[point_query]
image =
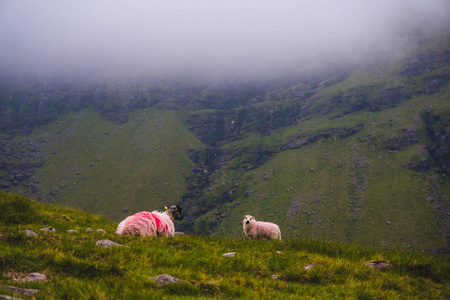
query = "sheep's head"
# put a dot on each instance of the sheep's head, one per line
(176, 211)
(248, 219)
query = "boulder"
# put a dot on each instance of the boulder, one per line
(164, 279)
(106, 244)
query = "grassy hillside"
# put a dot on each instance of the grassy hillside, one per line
(343, 188)
(345, 153)
(76, 269)
(97, 165)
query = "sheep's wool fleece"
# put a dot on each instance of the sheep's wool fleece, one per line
(263, 230)
(147, 223)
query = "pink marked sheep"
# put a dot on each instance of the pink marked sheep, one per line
(146, 223)
(260, 230)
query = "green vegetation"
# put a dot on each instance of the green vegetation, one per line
(349, 153)
(77, 269)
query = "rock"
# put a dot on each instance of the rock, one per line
(295, 144)
(72, 231)
(179, 233)
(30, 233)
(48, 229)
(9, 297)
(376, 264)
(164, 279)
(230, 254)
(101, 231)
(26, 292)
(106, 244)
(89, 230)
(308, 267)
(36, 277)
(6, 184)
(279, 252)
(388, 223)
(274, 276)
(422, 165)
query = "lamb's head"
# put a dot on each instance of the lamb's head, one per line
(249, 220)
(175, 211)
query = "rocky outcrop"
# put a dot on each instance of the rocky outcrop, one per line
(438, 129)
(424, 63)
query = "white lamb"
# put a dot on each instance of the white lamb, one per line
(260, 230)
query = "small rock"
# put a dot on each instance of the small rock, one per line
(308, 267)
(72, 231)
(26, 292)
(48, 229)
(165, 279)
(89, 229)
(274, 276)
(9, 297)
(6, 184)
(30, 233)
(101, 231)
(279, 252)
(106, 243)
(230, 254)
(36, 277)
(376, 264)
(388, 223)
(179, 233)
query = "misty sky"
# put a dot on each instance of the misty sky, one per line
(203, 36)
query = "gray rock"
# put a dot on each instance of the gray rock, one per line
(230, 254)
(26, 292)
(72, 231)
(30, 233)
(164, 279)
(36, 277)
(6, 184)
(101, 231)
(48, 229)
(89, 229)
(378, 264)
(9, 297)
(106, 243)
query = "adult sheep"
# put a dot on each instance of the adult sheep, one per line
(260, 230)
(146, 223)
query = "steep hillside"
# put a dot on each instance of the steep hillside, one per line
(356, 152)
(91, 163)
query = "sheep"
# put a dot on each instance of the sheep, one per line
(260, 230)
(156, 223)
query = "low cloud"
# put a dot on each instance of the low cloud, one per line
(199, 37)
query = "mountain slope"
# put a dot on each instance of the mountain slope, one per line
(351, 153)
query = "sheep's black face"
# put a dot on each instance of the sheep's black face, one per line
(177, 212)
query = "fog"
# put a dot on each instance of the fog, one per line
(205, 38)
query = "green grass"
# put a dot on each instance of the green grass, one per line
(94, 164)
(76, 269)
